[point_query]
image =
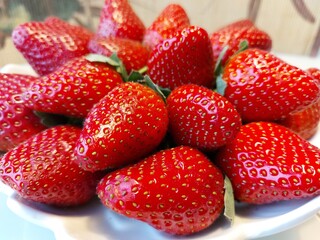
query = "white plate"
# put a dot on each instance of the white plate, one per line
(94, 221)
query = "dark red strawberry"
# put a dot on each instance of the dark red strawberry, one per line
(233, 34)
(127, 124)
(132, 53)
(42, 169)
(178, 191)
(201, 118)
(118, 19)
(17, 123)
(72, 89)
(171, 20)
(185, 58)
(49, 44)
(264, 87)
(267, 162)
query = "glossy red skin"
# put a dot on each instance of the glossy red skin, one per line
(265, 88)
(233, 34)
(178, 191)
(201, 118)
(268, 163)
(73, 89)
(171, 20)
(131, 52)
(49, 44)
(17, 123)
(126, 125)
(185, 58)
(43, 169)
(118, 19)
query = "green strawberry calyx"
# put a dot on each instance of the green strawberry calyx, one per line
(229, 205)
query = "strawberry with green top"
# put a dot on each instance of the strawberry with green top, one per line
(49, 44)
(73, 89)
(171, 20)
(126, 125)
(263, 87)
(185, 58)
(43, 169)
(17, 122)
(201, 118)
(118, 19)
(178, 191)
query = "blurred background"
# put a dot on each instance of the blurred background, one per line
(294, 25)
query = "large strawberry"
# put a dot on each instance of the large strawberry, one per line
(200, 117)
(17, 123)
(43, 169)
(49, 44)
(265, 88)
(128, 123)
(267, 162)
(118, 19)
(232, 35)
(177, 190)
(171, 20)
(73, 88)
(185, 58)
(131, 52)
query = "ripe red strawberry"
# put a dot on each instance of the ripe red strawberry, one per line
(264, 87)
(233, 34)
(201, 118)
(17, 123)
(127, 124)
(267, 163)
(185, 58)
(49, 44)
(178, 191)
(73, 88)
(132, 53)
(118, 19)
(43, 169)
(171, 20)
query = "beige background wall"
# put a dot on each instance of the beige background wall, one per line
(293, 24)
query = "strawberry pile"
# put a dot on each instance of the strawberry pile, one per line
(154, 120)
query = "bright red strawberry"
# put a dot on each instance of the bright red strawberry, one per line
(118, 19)
(267, 163)
(132, 53)
(264, 87)
(49, 44)
(305, 122)
(73, 88)
(43, 169)
(178, 191)
(17, 123)
(171, 20)
(127, 124)
(201, 118)
(233, 34)
(185, 58)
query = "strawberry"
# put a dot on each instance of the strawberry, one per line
(49, 44)
(201, 118)
(118, 19)
(42, 169)
(73, 88)
(131, 52)
(267, 162)
(171, 20)
(127, 124)
(233, 34)
(185, 58)
(265, 88)
(178, 191)
(17, 123)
